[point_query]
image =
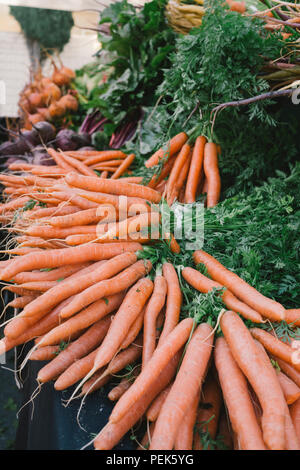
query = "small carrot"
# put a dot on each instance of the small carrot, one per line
(124, 385)
(208, 414)
(265, 306)
(173, 303)
(45, 353)
(275, 346)
(123, 167)
(173, 146)
(289, 370)
(176, 171)
(184, 437)
(153, 309)
(290, 389)
(81, 167)
(212, 175)
(195, 170)
(205, 285)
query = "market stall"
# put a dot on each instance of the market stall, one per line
(152, 203)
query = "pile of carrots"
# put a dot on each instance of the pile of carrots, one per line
(47, 98)
(185, 171)
(93, 305)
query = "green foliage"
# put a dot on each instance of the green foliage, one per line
(51, 28)
(137, 48)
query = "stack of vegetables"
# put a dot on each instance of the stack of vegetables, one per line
(200, 340)
(48, 98)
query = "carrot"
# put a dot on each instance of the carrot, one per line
(290, 389)
(178, 191)
(104, 156)
(86, 343)
(173, 146)
(95, 383)
(43, 326)
(291, 440)
(187, 385)
(124, 385)
(54, 172)
(289, 370)
(248, 294)
(45, 231)
(129, 310)
(237, 398)
(75, 371)
(160, 358)
(195, 170)
(77, 165)
(45, 353)
(104, 174)
(160, 178)
(174, 301)
(51, 275)
(20, 302)
(153, 309)
(14, 204)
(60, 160)
(113, 187)
(111, 434)
(39, 286)
(184, 437)
(208, 415)
(212, 175)
(295, 415)
(123, 167)
(155, 407)
(84, 279)
(121, 360)
(82, 239)
(65, 256)
(205, 285)
(84, 217)
(293, 316)
(134, 330)
(64, 209)
(84, 319)
(103, 287)
(262, 379)
(275, 346)
(176, 171)
(70, 197)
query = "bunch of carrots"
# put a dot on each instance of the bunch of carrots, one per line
(183, 171)
(93, 305)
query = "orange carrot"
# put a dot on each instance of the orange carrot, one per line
(262, 379)
(45, 353)
(205, 285)
(187, 385)
(290, 389)
(174, 301)
(184, 437)
(84, 319)
(173, 146)
(295, 415)
(155, 407)
(176, 171)
(65, 256)
(86, 343)
(293, 316)
(289, 370)
(51, 275)
(124, 385)
(160, 358)
(264, 305)
(212, 175)
(75, 371)
(156, 180)
(104, 156)
(123, 167)
(275, 346)
(113, 187)
(77, 165)
(111, 434)
(195, 170)
(237, 398)
(153, 309)
(208, 414)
